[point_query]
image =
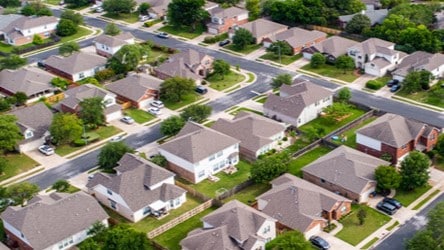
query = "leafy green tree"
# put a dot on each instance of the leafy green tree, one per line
(196, 113)
(242, 38)
(89, 244)
(289, 240)
(4, 105)
(66, 28)
(143, 8)
(10, 135)
(391, 28)
(124, 237)
(76, 18)
(20, 98)
(37, 40)
(414, 171)
(387, 178)
(10, 3)
(92, 111)
(254, 9)
(317, 60)
(432, 237)
(281, 48)
(440, 145)
(175, 88)
(96, 229)
(44, 12)
(172, 125)
(186, 13)
(362, 215)
(221, 68)
(422, 240)
(77, 3)
(127, 58)
(68, 48)
(159, 160)
(345, 63)
(391, 3)
(22, 192)
(280, 80)
(314, 133)
(112, 29)
(35, 8)
(336, 112)
(416, 81)
(299, 12)
(357, 24)
(420, 38)
(60, 83)
(65, 128)
(111, 153)
(117, 7)
(268, 168)
(61, 186)
(344, 95)
(12, 62)
(417, 13)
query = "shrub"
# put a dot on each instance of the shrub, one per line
(60, 83)
(104, 75)
(215, 39)
(373, 84)
(285, 139)
(148, 24)
(37, 40)
(80, 142)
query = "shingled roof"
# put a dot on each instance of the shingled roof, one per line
(335, 46)
(75, 63)
(262, 27)
(114, 41)
(75, 95)
(134, 86)
(419, 60)
(206, 239)
(37, 118)
(297, 37)
(28, 80)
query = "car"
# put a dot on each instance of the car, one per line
(163, 35)
(386, 208)
(201, 90)
(224, 42)
(46, 150)
(157, 104)
(319, 242)
(116, 138)
(154, 111)
(144, 18)
(99, 10)
(127, 120)
(392, 82)
(395, 88)
(392, 201)
(41, 64)
(90, 177)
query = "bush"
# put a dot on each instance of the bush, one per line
(80, 142)
(215, 39)
(373, 84)
(104, 75)
(37, 40)
(60, 83)
(285, 139)
(148, 24)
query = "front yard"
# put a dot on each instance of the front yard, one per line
(434, 96)
(81, 32)
(283, 60)
(407, 197)
(186, 100)
(17, 164)
(331, 71)
(129, 18)
(139, 116)
(247, 50)
(238, 109)
(183, 31)
(231, 79)
(295, 166)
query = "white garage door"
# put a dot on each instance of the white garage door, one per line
(315, 230)
(307, 55)
(145, 103)
(212, 31)
(113, 116)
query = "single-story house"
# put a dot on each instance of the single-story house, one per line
(107, 45)
(223, 19)
(297, 38)
(375, 16)
(22, 30)
(260, 29)
(331, 48)
(420, 60)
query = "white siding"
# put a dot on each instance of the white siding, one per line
(367, 141)
(242, 17)
(315, 230)
(87, 73)
(267, 234)
(14, 231)
(312, 111)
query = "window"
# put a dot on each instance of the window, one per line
(212, 157)
(201, 174)
(177, 201)
(109, 192)
(171, 203)
(322, 180)
(266, 229)
(317, 103)
(219, 154)
(28, 134)
(215, 167)
(113, 204)
(146, 210)
(299, 120)
(343, 209)
(326, 99)
(81, 75)
(404, 146)
(359, 57)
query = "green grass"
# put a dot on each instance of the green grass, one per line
(354, 233)
(129, 18)
(17, 164)
(171, 238)
(6, 48)
(439, 163)
(227, 181)
(285, 59)
(251, 77)
(249, 194)
(231, 79)
(183, 31)
(382, 81)
(70, 190)
(407, 197)
(53, 2)
(262, 100)
(390, 228)
(429, 197)
(235, 112)
(295, 166)
(81, 32)
(432, 96)
(139, 116)
(297, 145)
(351, 134)
(186, 100)
(247, 50)
(370, 243)
(156, 54)
(333, 72)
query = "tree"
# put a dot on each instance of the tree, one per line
(357, 24)
(314, 133)
(280, 80)
(22, 192)
(127, 58)
(440, 145)
(28, 10)
(345, 63)
(92, 111)
(422, 240)
(221, 68)
(37, 40)
(97, 228)
(387, 178)
(124, 237)
(317, 60)
(186, 13)
(344, 95)
(362, 215)
(89, 244)
(66, 28)
(10, 134)
(4, 105)
(416, 81)
(196, 113)
(432, 237)
(414, 171)
(12, 62)
(68, 48)
(77, 3)
(143, 8)
(10, 3)
(76, 18)
(20, 98)
(336, 112)
(268, 168)
(112, 29)
(281, 48)
(118, 7)
(254, 9)
(60, 186)
(111, 153)
(159, 160)
(391, 3)
(289, 240)
(65, 128)
(242, 38)
(60, 83)
(175, 88)
(172, 125)
(35, 8)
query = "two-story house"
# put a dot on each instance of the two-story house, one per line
(107, 45)
(420, 60)
(298, 103)
(138, 189)
(260, 29)
(232, 226)
(56, 221)
(224, 19)
(22, 30)
(197, 152)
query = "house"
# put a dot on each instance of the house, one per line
(224, 19)
(188, 63)
(260, 29)
(297, 204)
(331, 48)
(138, 189)
(158, 8)
(298, 103)
(345, 171)
(372, 4)
(375, 56)
(55, 221)
(34, 82)
(396, 136)
(34, 122)
(75, 67)
(22, 30)
(420, 60)
(73, 97)
(139, 89)
(107, 45)
(198, 152)
(375, 16)
(257, 134)
(297, 38)
(232, 226)
(5, 20)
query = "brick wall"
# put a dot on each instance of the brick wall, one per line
(15, 242)
(181, 172)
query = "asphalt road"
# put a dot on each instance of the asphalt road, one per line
(397, 240)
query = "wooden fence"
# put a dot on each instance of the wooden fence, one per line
(325, 29)
(55, 98)
(193, 192)
(235, 189)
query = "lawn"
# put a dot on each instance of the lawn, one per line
(171, 238)
(295, 166)
(433, 96)
(6, 48)
(331, 71)
(186, 100)
(81, 32)
(300, 143)
(407, 197)
(285, 59)
(350, 135)
(227, 181)
(247, 50)
(251, 77)
(140, 116)
(129, 18)
(218, 83)
(183, 31)
(70, 190)
(156, 55)
(17, 164)
(249, 194)
(439, 163)
(354, 233)
(236, 111)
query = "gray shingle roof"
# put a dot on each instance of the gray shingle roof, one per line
(49, 219)
(75, 95)
(76, 63)
(375, 16)
(23, 23)
(419, 60)
(372, 45)
(114, 41)
(335, 46)
(262, 27)
(37, 117)
(27, 80)
(5, 20)
(297, 37)
(230, 12)
(209, 239)
(134, 86)
(346, 167)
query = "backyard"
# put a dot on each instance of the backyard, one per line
(183, 31)
(17, 164)
(350, 135)
(295, 166)
(248, 195)
(407, 197)
(333, 72)
(139, 116)
(186, 100)
(434, 96)
(284, 59)
(156, 55)
(231, 79)
(247, 50)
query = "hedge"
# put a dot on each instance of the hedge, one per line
(373, 84)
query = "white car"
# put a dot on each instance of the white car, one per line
(116, 138)
(99, 10)
(144, 18)
(46, 150)
(154, 111)
(157, 104)
(127, 120)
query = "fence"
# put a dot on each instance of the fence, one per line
(325, 29)
(235, 189)
(193, 192)
(55, 98)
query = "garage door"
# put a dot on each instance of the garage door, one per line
(315, 230)
(113, 116)
(364, 196)
(145, 103)
(307, 55)
(212, 31)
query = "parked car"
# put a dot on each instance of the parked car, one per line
(154, 111)
(395, 88)
(201, 90)
(127, 120)
(144, 18)
(163, 35)
(393, 202)
(116, 138)
(41, 64)
(392, 82)
(46, 150)
(99, 10)
(157, 104)
(386, 208)
(224, 42)
(319, 242)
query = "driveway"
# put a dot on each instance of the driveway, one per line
(48, 161)
(336, 243)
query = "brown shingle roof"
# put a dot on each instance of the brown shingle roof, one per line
(262, 27)
(26, 22)
(297, 37)
(76, 63)
(75, 95)
(372, 45)
(419, 60)
(335, 46)
(114, 41)
(230, 12)
(209, 239)
(27, 80)
(37, 117)
(134, 86)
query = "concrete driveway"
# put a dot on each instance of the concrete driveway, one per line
(48, 161)
(336, 243)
